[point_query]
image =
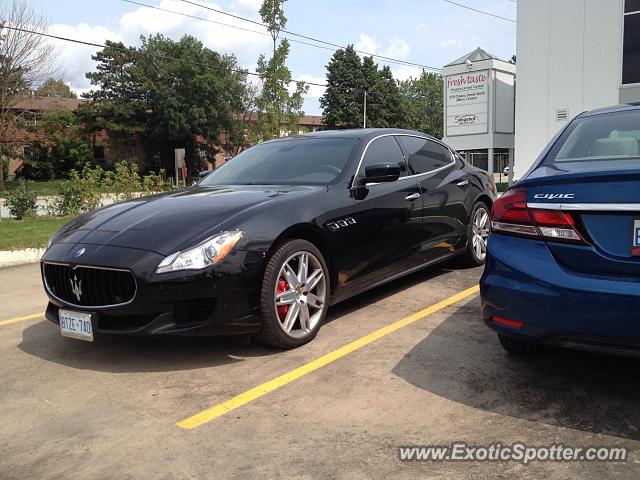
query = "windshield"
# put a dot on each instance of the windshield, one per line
(306, 161)
(612, 136)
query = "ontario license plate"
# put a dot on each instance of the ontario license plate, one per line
(76, 325)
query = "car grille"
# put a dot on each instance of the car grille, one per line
(89, 286)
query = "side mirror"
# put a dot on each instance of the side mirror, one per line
(204, 173)
(382, 173)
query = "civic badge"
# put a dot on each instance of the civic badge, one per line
(79, 253)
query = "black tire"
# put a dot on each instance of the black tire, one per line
(470, 258)
(271, 332)
(518, 347)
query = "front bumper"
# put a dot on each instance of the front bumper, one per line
(222, 300)
(523, 282)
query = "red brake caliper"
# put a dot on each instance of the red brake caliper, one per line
(282, 309)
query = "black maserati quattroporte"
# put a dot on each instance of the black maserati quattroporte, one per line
(266, 243)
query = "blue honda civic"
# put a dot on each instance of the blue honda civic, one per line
(563, 256)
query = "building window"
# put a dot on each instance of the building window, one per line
(631, 43)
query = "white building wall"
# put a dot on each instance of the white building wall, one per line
(569, 57)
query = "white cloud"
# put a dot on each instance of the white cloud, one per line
(396, 47)
(367, 44)
(448, 43)
(314, 90)
(459, 44)
(405, 72)
(220, 36)
(249, 8)
(74, 60)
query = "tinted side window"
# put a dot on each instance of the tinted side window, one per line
(424, 155)
(383, 150)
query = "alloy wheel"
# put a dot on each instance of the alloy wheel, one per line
(300, 294)
(480, 228)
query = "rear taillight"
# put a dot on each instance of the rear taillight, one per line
(510, 214)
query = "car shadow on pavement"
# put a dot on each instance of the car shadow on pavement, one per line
(462, 360)
(376, 294)
(118, 354)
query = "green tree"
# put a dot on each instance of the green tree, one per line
(422, 104)
(384, 104)
(278, 109)
(118, 99)
(169, 94)
(272, 14)
(342, 102)
(70, 148)
(348, 78)
(53, 87)
(67, 147)
(24, 60)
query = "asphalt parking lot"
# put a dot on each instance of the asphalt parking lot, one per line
(110, 409)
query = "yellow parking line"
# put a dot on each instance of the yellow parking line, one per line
(257, 392)
(21, 319)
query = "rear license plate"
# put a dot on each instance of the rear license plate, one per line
(76, 325)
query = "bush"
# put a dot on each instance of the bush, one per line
(156, 182)
(126, 180)
(69, 200)
(21, 202)
(81, 193)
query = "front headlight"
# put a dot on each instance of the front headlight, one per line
(208, 253)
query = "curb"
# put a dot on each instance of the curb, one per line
(11, 258)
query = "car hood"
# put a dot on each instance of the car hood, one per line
(170, 222)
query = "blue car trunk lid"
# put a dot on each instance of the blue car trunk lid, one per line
(605, 203)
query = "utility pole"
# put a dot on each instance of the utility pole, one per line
(366, 93)
(364, 116)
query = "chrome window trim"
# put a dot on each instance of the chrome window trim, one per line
(364, 152)
(594, 207)
(85, 307)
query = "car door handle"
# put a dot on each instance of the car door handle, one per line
(463, 183)
(412, 196)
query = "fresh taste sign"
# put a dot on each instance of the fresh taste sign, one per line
(467, 103)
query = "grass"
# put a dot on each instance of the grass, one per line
(40, 188)
(29, 233)
(502, 186)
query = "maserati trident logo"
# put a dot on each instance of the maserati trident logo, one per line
(79, 253)
(76, 287)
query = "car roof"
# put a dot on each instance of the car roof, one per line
(362, 133)
(612, 109)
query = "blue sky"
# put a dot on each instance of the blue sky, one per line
(427, 32)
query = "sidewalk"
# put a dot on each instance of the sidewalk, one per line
(20, 257)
